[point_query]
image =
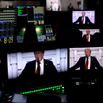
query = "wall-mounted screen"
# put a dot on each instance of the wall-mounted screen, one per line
(64, 5)
(7, 25)
(17, 61)
(83, 17)
(78, 58)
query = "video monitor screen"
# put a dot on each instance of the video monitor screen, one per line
(39, 13)
(7, 25)
(83, 17)
(92, 31)
(34, 14)
(25, 11)
(76, 54)
(40, 31)
(6, 4)
(90, 36)
(45, 33)
(15, 3)
(32, 26)
(49, 32)
(16, 61)
(63, 5)
(30, 33)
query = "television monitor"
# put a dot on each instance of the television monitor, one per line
(7, 25)
(63, 5)
(34, 14)
(30, 33)
(40, 31)
(76, 53)
(39, 13)
(49, 32)
(91, 37)
(25, 11)
(6, 4)
(92, 31)
(88, 19)
(15, 3)
(32, 19)
(21, 23)
(45, 33)
(16, 61)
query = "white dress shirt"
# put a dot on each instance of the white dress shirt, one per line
(41, 67)
(88, 38)
(84, 19)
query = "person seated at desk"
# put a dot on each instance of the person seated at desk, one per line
(87, 62)
(83, 19)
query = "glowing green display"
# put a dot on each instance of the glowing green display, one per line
(39, 30)
(21, 11)
(58, 88)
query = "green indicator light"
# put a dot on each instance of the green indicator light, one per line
(40, 89)
(32, 91)
(53, 89)
(37, 91)
(47, 88)
(62, 91)
(26, 92)
(44, 89)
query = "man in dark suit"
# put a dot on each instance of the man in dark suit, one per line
(87, 62)
(83, 19)
(88, 38)
(38, 70)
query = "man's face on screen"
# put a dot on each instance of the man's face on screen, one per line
(87, 52)
(38, 55)
(83, 13)
(87, 31)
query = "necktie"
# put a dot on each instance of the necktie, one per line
(86, 64)
(38, 68)
(87, 38)
(82, 20)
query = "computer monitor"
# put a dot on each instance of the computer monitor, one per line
(53, 5)
(15, 3)
(83, 17)
(16, 61)
(7, 25)
(91, 37)
(63, 5)
(32, 18)
(76, 53)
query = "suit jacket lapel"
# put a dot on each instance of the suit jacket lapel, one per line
(84, 61)
(45, 64)
(91, 63)
(45, 67)
(34, 67)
